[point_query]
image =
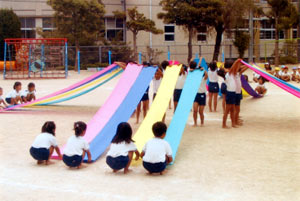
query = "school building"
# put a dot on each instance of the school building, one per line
(36, 13)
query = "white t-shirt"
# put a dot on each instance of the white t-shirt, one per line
(202, 89)
(281, 73)
(256, 75)
(261, 85)
(230, 82)
(180, 81)
(156, 150)
(75, 146)
(238, 84)
(26, 92)
(44, 140)
(1, 98)
(156, 84)
(13, 94)
(120, 149)
(212, 76)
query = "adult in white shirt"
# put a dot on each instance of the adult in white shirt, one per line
(44, 144)
(213, 86)
(157, 152)
(14, 96)
(77, 147)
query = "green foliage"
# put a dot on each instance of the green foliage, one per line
(10, 27)
(241, 42)
(120, 50)
(80, 21)
(288, 52)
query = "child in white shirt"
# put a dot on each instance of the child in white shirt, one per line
(284, 74)
(2, 101)
(157, 152)
(14, 96)
(296, 74)
(261, 88)
(121, 149)
(29, 94)
(179, 86)
(77, 147)
(213, 86)
(44, 144)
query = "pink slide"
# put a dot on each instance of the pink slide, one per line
(65, 89)
(113, 102)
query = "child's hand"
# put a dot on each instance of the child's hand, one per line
(137, 157)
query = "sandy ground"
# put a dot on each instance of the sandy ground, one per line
(257, 162)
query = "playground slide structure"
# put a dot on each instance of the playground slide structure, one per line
(158, 107)
(113, 102)
(185, 104)
(122, 114)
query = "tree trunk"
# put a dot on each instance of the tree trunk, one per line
(219, 29)
(276, 43)
(190, 47)
(134, 47)
(77, 48)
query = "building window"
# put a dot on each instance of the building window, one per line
(201, 33)
(114, 29)
(267, 30)
(169, 32)
(48, 24)
(28, 27)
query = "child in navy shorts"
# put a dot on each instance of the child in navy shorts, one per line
(213, 86)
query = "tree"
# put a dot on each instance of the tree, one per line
(283, 15)
(80, 21)
(241, 42)
(10, 27)
(137, 22)
(190, 14)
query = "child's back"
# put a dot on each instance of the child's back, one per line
(156, 150)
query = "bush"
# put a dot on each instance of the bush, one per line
(288, 60)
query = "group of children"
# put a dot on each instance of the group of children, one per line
(156, 153)
(283, 73)
(17, 96)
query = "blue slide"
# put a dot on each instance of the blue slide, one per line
(185, 104)
(123, 113)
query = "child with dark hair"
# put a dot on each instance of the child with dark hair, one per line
(14, 96)
(29, 94)
(164, 65)
(261, 88)
(157, 152)
(179, 86)
(44, 144)
(213, 86)
(2, 101)
(77, 147)
(121, 150)
(222, 72)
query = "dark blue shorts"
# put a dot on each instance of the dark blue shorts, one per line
(176, 95)
(200, 99)
(230, 98)
(223, 88)
(154, 95)
(40, 154)
(8, 100)
(117, 163)
(145, 97)
(155, 167)
(72, 161)
(238, 99)
(213, 87)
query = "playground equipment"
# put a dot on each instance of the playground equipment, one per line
(26, 58)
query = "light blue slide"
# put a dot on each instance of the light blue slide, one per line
(185, 104)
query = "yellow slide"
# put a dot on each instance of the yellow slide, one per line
(158, 107)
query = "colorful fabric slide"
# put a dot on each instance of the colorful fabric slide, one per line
(123, 113)
(76, 85)
(113, 102)
(158, 107)
(185, 104)
(246, 86)
(274, 80)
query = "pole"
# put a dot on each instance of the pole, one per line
(197, 56)
(169, 54)
(109, 57)
(29, 61)
(42, 60)
(150, 17)
(251, 35)
(140, 58)
(78, 61)
(66, 59)
(4, 67)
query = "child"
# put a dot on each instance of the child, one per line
(284, 74)
(157, 80)
(277, 72)
(29, 94)
(261, 88)
(268, 68)
(14, 96)
(222, 72)
(295, 75)
(213, 86)
(255, 77)
(2, 101)
(77, 147)
(179, 86)
(164, 65)
(44, 144)
(157, 152)
(200, 99)
(121, 149)
(230, 80)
